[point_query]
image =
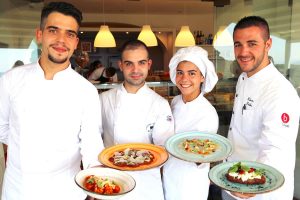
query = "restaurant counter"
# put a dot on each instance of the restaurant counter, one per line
(166, 89)
(221, 97)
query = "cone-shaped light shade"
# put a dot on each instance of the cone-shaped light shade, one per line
(185, 38)
(104, 38)
(223, 37)
(147, 36)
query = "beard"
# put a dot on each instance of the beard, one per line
(251, 68)
(133, 82)
(258, 61)
(53, 57)
(57, 61)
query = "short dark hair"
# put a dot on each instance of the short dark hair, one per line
(132, 45)
(61, 7)
(249, 21)
(110, 71)
(96, 63)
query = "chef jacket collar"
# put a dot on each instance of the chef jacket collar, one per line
(58, 75)
(195, 101)
(260, 75)
(140, 91)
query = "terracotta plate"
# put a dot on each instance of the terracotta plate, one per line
(160, 156)
(274, 179)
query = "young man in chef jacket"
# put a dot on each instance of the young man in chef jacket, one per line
(133, 112)
(50, 116)
(265, 118)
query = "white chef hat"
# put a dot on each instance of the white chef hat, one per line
(199, 57)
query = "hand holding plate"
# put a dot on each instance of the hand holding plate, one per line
(242, 195)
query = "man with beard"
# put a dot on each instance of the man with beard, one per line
(50, 116)
(265, 117)
(133, 112)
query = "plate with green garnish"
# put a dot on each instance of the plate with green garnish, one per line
(246, 177)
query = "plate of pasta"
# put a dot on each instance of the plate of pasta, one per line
(199, 147)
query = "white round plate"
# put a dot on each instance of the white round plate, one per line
(124, 180)
(175, 148)
(274, 179)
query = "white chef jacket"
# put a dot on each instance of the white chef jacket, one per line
(142, 117)
(2, 166)
(186, 180)
(264, 125)
(49, 126)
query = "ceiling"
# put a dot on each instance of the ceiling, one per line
(141, 6)
(19, 16)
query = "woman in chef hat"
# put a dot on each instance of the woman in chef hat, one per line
(194, 75)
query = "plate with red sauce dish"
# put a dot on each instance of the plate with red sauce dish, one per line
(123, 181)
(158, 156)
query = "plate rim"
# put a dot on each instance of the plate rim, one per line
(165, 155)
(230, 163)
(185, 134)
(110, 196)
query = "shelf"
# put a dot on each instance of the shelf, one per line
(150, 84)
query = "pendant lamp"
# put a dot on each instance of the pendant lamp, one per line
(223, 37)
(104, 37)
(185, 38)
(147, 36)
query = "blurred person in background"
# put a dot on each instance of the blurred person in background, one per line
(102, 74)
(18, 63)
(82, 60)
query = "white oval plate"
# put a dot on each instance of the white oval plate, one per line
(124, 180)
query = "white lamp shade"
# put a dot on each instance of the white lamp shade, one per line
(223, 37)
(185, 38)
(147, 36)
(104, 38)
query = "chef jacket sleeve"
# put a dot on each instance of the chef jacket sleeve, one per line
(280, 118)
(164, 125)
(4, 110)
(91, 130)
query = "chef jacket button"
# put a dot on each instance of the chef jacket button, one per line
(230, 128)
(236, 95)
(243, 78)
(232, 112)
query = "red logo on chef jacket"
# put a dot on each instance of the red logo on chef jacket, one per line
(285, 118)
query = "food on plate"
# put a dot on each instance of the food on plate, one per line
(101, 185)
(131, 157)
(199, 146)
(241, 173)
